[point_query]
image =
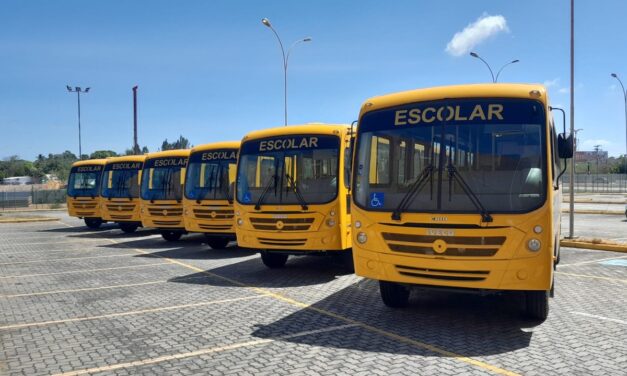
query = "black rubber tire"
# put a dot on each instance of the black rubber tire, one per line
(537, 305)
(128, 228)
(273, 260)
(171, 236)
(93, 223)
(217, 242)
(394, 295)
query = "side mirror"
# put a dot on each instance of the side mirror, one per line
(565, 146)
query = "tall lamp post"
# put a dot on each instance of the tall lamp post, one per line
(286, 58)
(625, 98)
(78, 92)
(494, 78)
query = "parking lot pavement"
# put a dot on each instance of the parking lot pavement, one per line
(78, 301)
(602, 226)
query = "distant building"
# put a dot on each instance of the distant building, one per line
(591, 156)
(18, 180)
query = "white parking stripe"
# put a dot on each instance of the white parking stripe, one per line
(600, 317)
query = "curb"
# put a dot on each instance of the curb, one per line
(594, 244)
(25, 220)
(584, 211)
(31, 210)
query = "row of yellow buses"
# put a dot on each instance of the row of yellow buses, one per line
(453, 188)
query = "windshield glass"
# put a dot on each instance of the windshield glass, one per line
(162, 178)
(120, 180)
(495, 146)
(310, 162)
(211, 175)
(84, 181)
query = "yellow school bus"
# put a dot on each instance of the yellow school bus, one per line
(161, 192)
(458, 188)
(292, 192)
(83, 191)
(120, 191)
(209, 186)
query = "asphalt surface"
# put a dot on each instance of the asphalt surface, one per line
(77, 301)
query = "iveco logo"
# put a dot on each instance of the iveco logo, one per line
(440, 232)
(279, 225)
(439, 219)
(164, 212)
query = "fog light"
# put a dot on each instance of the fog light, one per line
(357, 224)
(534, 245)
(330, 222)
(362, 238)
(240, 221)
(537, 229)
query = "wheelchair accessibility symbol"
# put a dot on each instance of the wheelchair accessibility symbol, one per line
(377, 199)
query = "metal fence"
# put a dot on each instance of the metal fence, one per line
(597, 183)
(21, 197)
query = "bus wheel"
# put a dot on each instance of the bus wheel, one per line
(273, 260)
(537, 305)
(93, 223)
(128, 228)
(394, 295)
(217, 242)
(171, 236)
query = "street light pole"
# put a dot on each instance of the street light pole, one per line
(494, 78)
(571, 183)
(78, 92)
(625, 99)
(286, 58)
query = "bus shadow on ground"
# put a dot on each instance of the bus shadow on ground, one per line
(299, 271)
(458, 324)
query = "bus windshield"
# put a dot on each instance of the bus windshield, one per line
(445, 152)
(291, 169)
(211, 175)
(120, 180)
(161, 178)
(84, 181)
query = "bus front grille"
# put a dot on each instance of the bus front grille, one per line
(215, 227)
(117, 217)
(282, 242)
(456, 246)
(218, 214)
(443, 274)
(121, 207)
(165, 211)
(84, 205)
(167, 223)
(281, 224)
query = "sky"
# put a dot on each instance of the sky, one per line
(211, 71)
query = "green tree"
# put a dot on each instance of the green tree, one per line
(103, 154)
(181, 143)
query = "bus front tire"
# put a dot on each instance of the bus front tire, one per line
(394, 295)
(537, 305)
(171, 236)
(273, 260)
(217, 242)
(128, 228)
(93, 223)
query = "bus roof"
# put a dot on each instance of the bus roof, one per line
(126, 158)
(168, 153)
(310, 128)
(90, 162)
(456, 91)
(216, 145)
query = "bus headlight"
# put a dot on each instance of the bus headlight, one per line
(240, 221)
(362, 238)
(332, 213)
(357, 224)
(330, 222)
(534, 245)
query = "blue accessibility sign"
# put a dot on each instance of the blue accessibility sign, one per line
(377, 199)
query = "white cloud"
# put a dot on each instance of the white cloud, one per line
(551, 83)
(564, 90)
(475, 33)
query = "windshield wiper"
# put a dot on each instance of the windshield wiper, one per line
(454, 174)
(265, 192)
(296, 190)
(414, 189)
(224, 185)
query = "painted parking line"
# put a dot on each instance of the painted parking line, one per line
(13, 244)
(370, 328)
(614, 262)
(128, 313)
(600, 317)
(62, 259)
(593, 277)
(590, 261)
(205, 351)
(86, 270)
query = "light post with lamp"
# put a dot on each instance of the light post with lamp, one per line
(494, 78)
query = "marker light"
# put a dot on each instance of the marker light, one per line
(332, 213)
(357, 224)
(537, 229)
(240, 221)
(362, 237)
(534, 245)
